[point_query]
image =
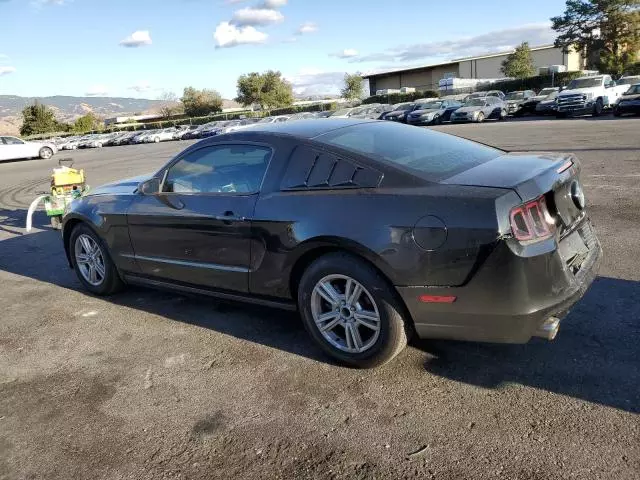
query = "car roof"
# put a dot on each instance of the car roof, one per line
(306, 128)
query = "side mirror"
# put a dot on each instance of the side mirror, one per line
(149, 187)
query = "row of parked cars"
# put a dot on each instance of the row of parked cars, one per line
(586, 95)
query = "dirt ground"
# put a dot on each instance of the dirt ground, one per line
(150, 385)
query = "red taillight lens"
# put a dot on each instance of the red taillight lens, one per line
(532, 221)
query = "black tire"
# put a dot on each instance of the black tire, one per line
(598, 108)
(112, 282)
(45, 153)
(394, 330)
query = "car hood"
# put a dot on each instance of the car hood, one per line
(422, 112)
(513, 102)
(469, 109)
(122, 187)
(577, 91)
(522, 172)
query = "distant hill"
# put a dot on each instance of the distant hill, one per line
(67, 109)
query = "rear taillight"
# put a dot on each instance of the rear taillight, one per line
(532, 221)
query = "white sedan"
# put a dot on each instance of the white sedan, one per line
(12, 148)
(161, 136)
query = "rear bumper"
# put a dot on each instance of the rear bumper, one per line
(509, 298)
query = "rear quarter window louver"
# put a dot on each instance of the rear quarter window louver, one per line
(311, 169)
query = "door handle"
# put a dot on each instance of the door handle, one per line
(229, 217)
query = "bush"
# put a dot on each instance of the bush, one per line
(394, 98)
(537, 82)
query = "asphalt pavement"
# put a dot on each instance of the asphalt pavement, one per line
(150, 385)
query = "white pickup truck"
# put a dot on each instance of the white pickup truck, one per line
(588, 95)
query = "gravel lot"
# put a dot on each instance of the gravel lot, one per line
(149, 385)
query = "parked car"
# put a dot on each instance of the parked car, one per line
(276, 119)
(303, 116)
(371, 111)
(629, 102)
(13, 148)
(548, 105)
(342, 113)
(433, 112)
(480, 109)
(628, 80)
(474, 244)
(399, 112)
(164, 135)
(588, 95)
(69, 143)
(93, 141)
(488, 93)
(516, 100)
(183, 131)
(529, 105)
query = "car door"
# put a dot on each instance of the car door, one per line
(14, 148)
(196, 230)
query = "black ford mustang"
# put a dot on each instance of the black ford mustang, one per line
(372, 230)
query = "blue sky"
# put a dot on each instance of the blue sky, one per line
(141, 48)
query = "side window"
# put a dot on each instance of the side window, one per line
(2, 141)
(219, 169)
(12, 141)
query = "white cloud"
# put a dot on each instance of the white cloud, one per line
(491, 42)
(346, 53)
(256, 16)
(307, 27)
(142, 86)
(2, 55)
(313, 81)
(97, 91)
(6, 70)
(274, 3)
(41, 3)
(137, 39)
(227, 35)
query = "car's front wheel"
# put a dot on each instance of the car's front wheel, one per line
(480, 117)
(351, 311)
(45, 153)
(92, 262)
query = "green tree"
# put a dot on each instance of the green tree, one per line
(37, 118)
(198, 103)
(519, 64)
(607, 31)
(353, 89)
(87, 123)
(269, 90)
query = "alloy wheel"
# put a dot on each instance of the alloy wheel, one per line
(345, 313)
(90, 260)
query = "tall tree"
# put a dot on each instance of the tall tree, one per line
(37, 118)
(269, 90)
(608, 31)
(87, 123)
(198, 103)
(352, 89)
(519, 64)
(169, 105)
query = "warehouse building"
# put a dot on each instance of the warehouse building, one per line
(484, 66)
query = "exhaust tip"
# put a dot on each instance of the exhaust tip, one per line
(549, 329)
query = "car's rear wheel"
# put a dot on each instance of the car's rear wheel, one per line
(340, 312)
(503, 115)
(92, 262)
(156, 140)
(45, 153)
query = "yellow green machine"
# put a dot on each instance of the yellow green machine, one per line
(67, 183)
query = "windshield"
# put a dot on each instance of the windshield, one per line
(477, 95)
(585, 83)
(634, 90)
(339, 113)
(546, 91)
(402, 106)
(515, 96)
(475, 102)
(430, 105)
(426, 153)
(629, 80)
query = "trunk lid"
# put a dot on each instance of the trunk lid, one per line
(531, 175)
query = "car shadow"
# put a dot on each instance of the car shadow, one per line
(594, 358)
